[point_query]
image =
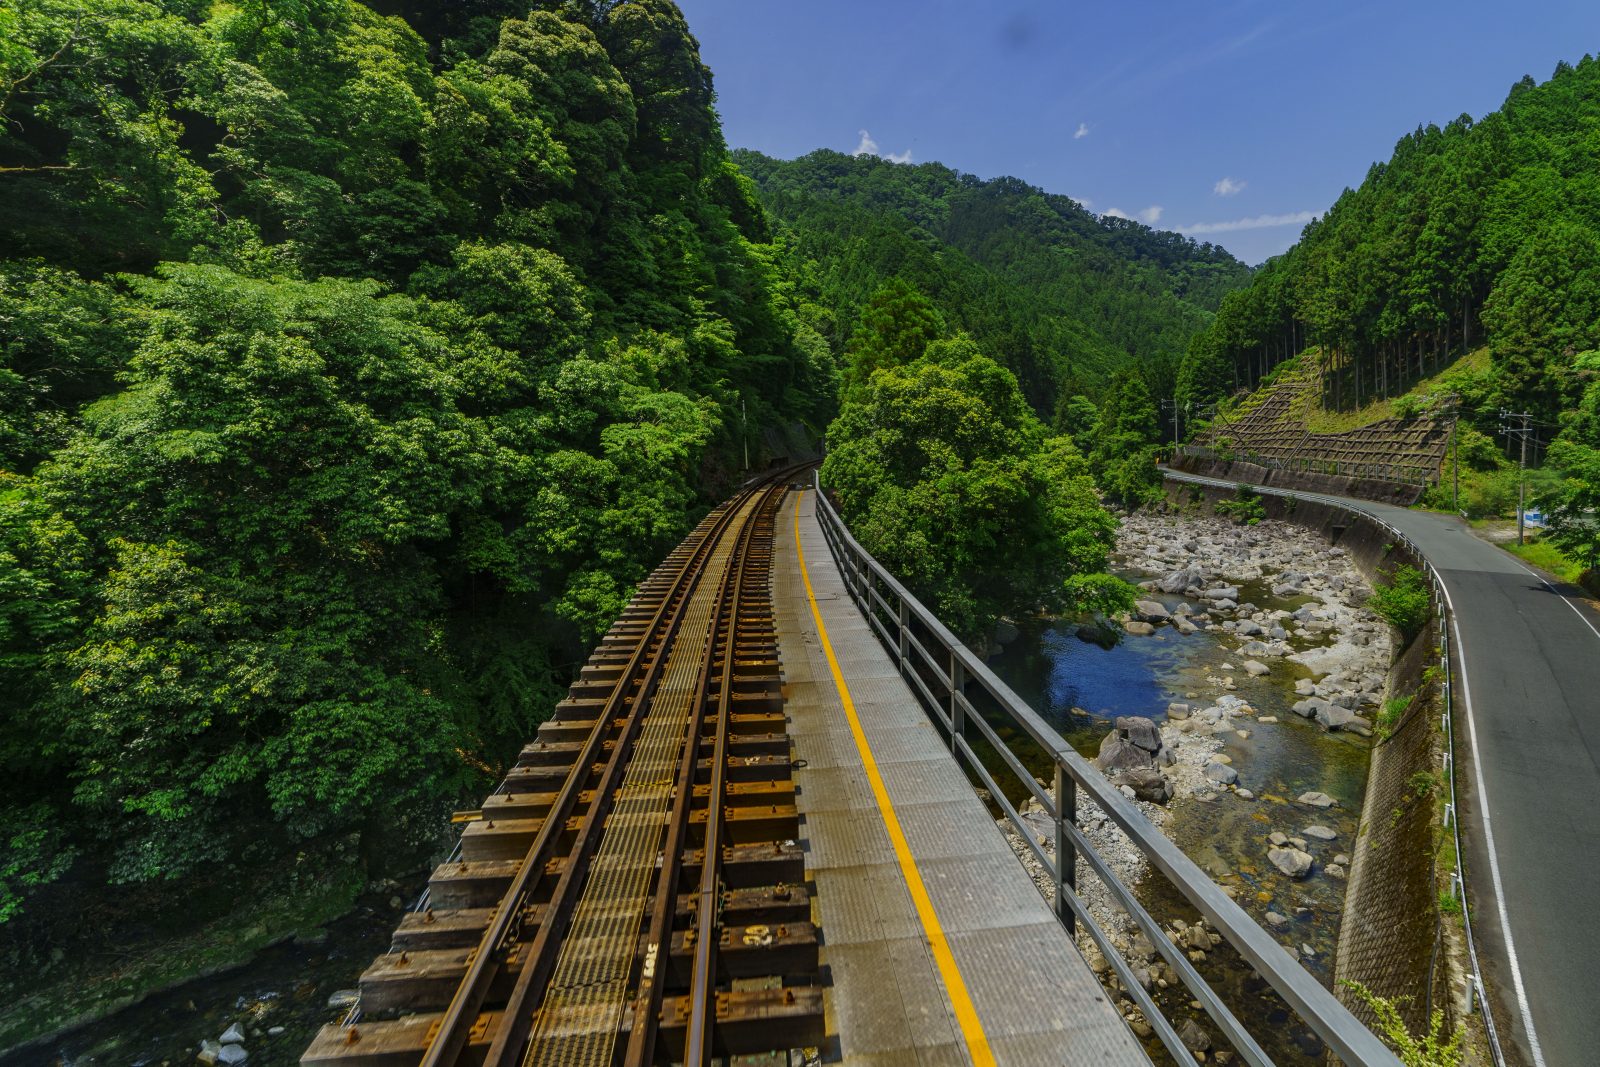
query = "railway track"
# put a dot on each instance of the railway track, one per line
(632, 893)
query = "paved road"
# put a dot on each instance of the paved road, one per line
(1530, 669)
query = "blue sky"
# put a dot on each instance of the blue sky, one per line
(1234, 122)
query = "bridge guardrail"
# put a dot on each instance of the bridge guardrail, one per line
(944, 676)
(1444, 617)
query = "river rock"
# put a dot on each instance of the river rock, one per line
(275, 1031)
(1177, 711)
(1305, 687)
(1006, 632)
(343, 998)
(1290, 861)
(233, 1035)
(1185, 627)
(1194, 1036)
(1274, 919)
(208, 1051)
(1141, 731)
(232, 1055)
(1117, 753)
(1317, 800)
(1221, 773)
(1334, 870)
(1139, 629)
(1333, 716)
(1278, 837)
(1255, 668)
(1147, 783)
(1321, 833)
(1228, 593)
(1152, 610)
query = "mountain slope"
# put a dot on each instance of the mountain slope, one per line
(1062, 297)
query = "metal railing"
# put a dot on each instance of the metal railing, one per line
(1443, 618)
(975, 709)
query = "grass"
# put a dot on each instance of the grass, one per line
(1547, 557)
(1318, 420)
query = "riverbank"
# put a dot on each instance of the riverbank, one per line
(1267, 675)
(86, 1006)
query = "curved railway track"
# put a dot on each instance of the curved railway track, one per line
(632, 892)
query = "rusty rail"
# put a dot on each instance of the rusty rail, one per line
(632, 892)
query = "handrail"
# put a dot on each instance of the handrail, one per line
(1444, 615)
(1323, 1013)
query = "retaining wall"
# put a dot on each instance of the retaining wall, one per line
(1390, 928)
(1401, 493)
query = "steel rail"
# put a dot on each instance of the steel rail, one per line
(640, 1050)
(1334, 1023)
(702, 1015)
(528, 992)
(456, 1024)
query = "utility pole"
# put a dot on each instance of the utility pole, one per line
(1523, 430)
(744, 433)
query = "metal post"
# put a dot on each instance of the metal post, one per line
(1066, 853)
(958, 718)
(905, 636)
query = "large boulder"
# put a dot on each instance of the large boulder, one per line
(1147, 783)
(1290, 861)
(1151, 610)
(1333, 716)
(1141, 731)
(1221, 773)
(1139, 629)
(1117, 753)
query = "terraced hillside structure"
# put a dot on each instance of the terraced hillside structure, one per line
(1270, 430)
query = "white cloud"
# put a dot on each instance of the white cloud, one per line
(1228, 187)
(1082, 131)
(1083, 201)
(1149, 216)
(1259, 222)
(869, 147)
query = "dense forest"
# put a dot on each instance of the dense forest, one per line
(1062, 297)
(352, 372)
(1477, 233)
(358, 360)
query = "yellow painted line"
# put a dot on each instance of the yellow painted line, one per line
(966, 1014)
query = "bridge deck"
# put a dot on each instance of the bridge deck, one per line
(939, 948)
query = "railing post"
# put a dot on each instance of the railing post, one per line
(958, 718)
(905, 636)
(1066, 852)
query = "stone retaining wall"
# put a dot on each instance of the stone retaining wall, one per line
(1402, 493)
(1390, 927)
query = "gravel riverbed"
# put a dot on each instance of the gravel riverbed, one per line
(1256, 765)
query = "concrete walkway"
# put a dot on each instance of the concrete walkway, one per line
(1529, 662)
(939, 948)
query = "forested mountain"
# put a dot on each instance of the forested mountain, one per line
(1478, 233)
(1060, 296)
(351, 373)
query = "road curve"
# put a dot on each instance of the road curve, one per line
(1529, 663)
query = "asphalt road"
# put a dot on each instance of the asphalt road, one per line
(1529, 661)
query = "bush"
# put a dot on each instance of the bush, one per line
(1404, 602)
(1245, 508)
(1430, 1050)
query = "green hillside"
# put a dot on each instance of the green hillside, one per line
(1062, 297)
(1476, 233)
